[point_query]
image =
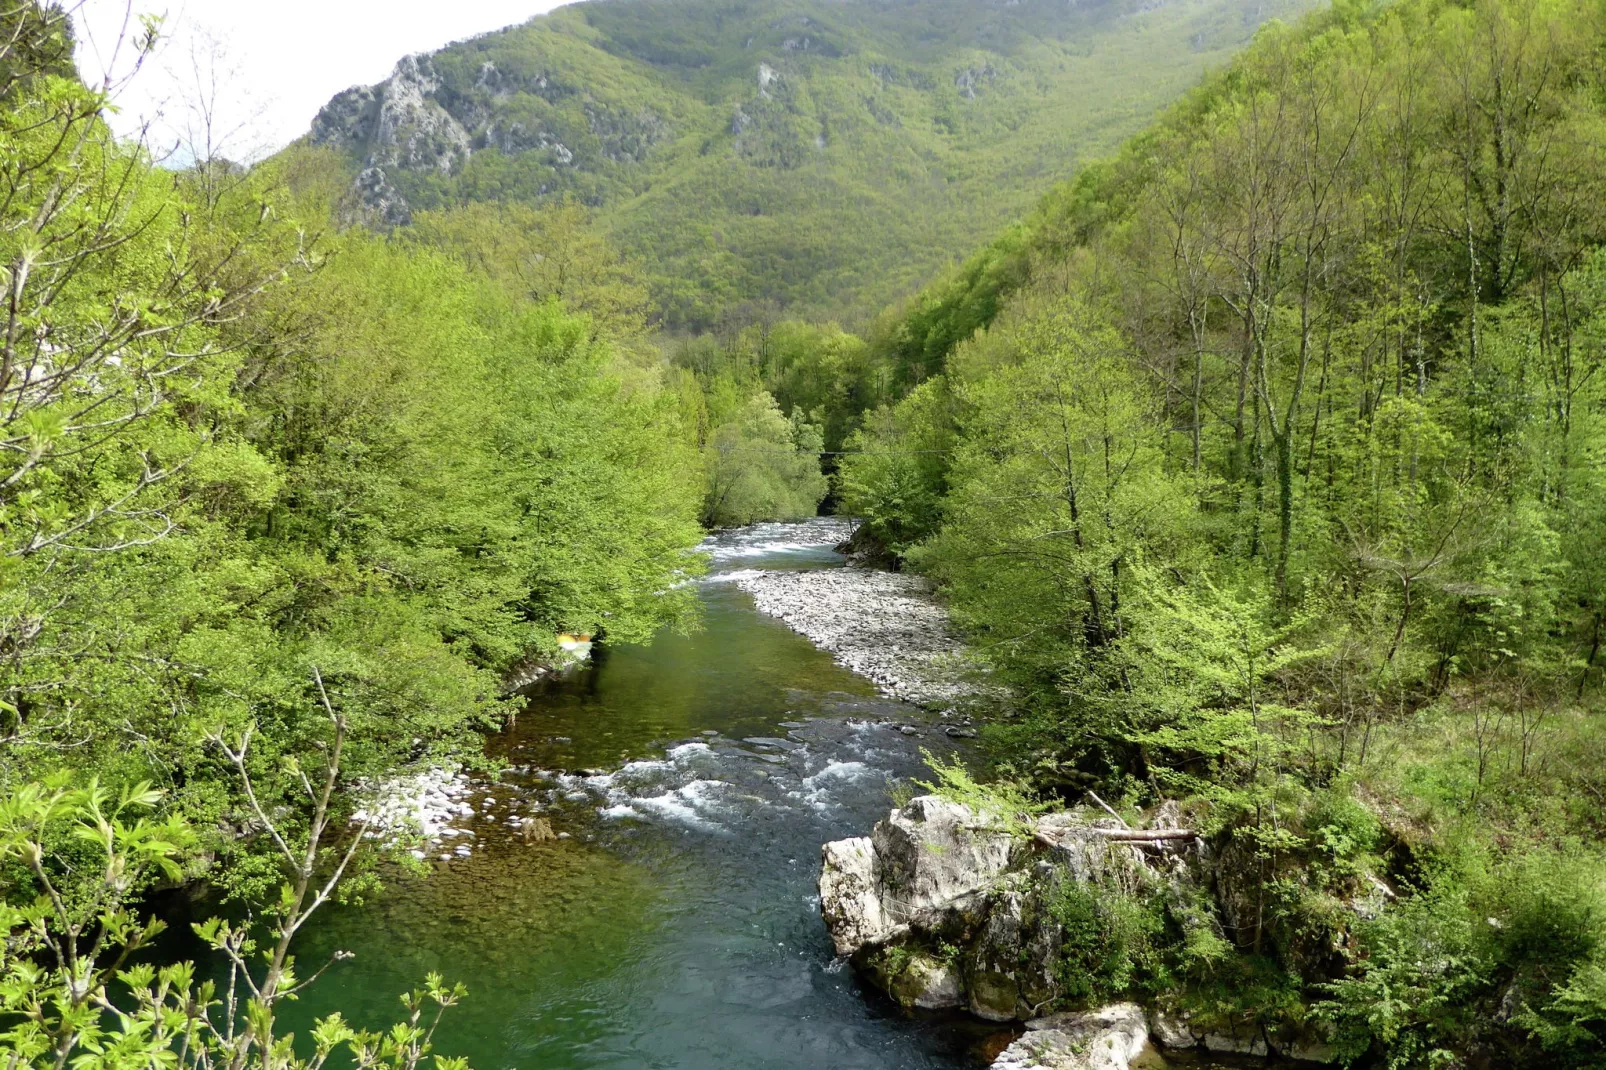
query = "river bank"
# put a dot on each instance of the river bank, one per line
(885, 626)
(673, 918)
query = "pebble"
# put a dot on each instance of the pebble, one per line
(883, 625)
(421, 803)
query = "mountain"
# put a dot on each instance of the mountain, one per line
(819, 157)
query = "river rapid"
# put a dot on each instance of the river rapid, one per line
(676, 923)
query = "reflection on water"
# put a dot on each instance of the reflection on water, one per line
(677, 925)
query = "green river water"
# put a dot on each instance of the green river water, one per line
(677, 925)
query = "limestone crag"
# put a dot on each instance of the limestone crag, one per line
(937, 876)
(424, 121)
(944, 906)
(883, 625)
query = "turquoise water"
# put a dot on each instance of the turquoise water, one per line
(678, 925)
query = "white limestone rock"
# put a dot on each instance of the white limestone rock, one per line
(920, 863)
(850, 896)
(1105, 1039)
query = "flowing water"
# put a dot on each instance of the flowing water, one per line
(677, 924)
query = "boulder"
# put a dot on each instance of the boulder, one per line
(1105, 1039)
(922, 863)
(923, 981)
(850, 896)
(935, 856)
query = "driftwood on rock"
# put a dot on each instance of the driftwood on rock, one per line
(1120, 835)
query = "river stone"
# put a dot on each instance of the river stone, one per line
(1248, 1041)
(1105, 1039)
(1171, 1030)
(921, 866)
(926, 982)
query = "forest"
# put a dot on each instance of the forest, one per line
(1265, 465)
(784, 157)
(1262, 465)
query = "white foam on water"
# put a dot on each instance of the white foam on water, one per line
(733, 576)
(818, 788)
(778, 538)
(840, 771)
(689, 805)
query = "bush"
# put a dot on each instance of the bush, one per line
(1113, 944)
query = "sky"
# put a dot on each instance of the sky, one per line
(269, 65)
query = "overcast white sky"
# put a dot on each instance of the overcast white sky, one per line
(277, 61)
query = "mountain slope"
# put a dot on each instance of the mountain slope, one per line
(825, 157)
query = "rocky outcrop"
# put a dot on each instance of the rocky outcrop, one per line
(922, 864)
(883, 625)
(399, 121)
(943, 906)
(1106, 1039)
(420, 121)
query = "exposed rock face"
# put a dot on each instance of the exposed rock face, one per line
(1105, 1039)
(850, 896)
(1010, 968)
(938, 875)
(416, 123)
(942, 906)
(928, 983)
(883, 625)
(1175, 1032)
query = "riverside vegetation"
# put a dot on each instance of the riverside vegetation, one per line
(1261, 464)
(816, 159)
(280, 508)
(1265, 466)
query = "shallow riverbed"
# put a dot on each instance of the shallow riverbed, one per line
(678, 925)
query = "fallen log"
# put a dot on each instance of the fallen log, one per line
(1137, 836)
(1145, 834)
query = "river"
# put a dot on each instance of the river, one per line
(677, 924)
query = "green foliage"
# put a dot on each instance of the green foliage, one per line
(1265, 471)
(1007, 803)
(1412, 999)
(72, 988)
(540, 254)
(882, 144)
(895, 471)
(1111, 945)
(278, 515)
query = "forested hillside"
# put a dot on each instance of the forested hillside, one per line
(819, 159)
(1266, 466)
(282, 509)
(1261, 462)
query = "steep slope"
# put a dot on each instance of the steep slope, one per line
(821, 156)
